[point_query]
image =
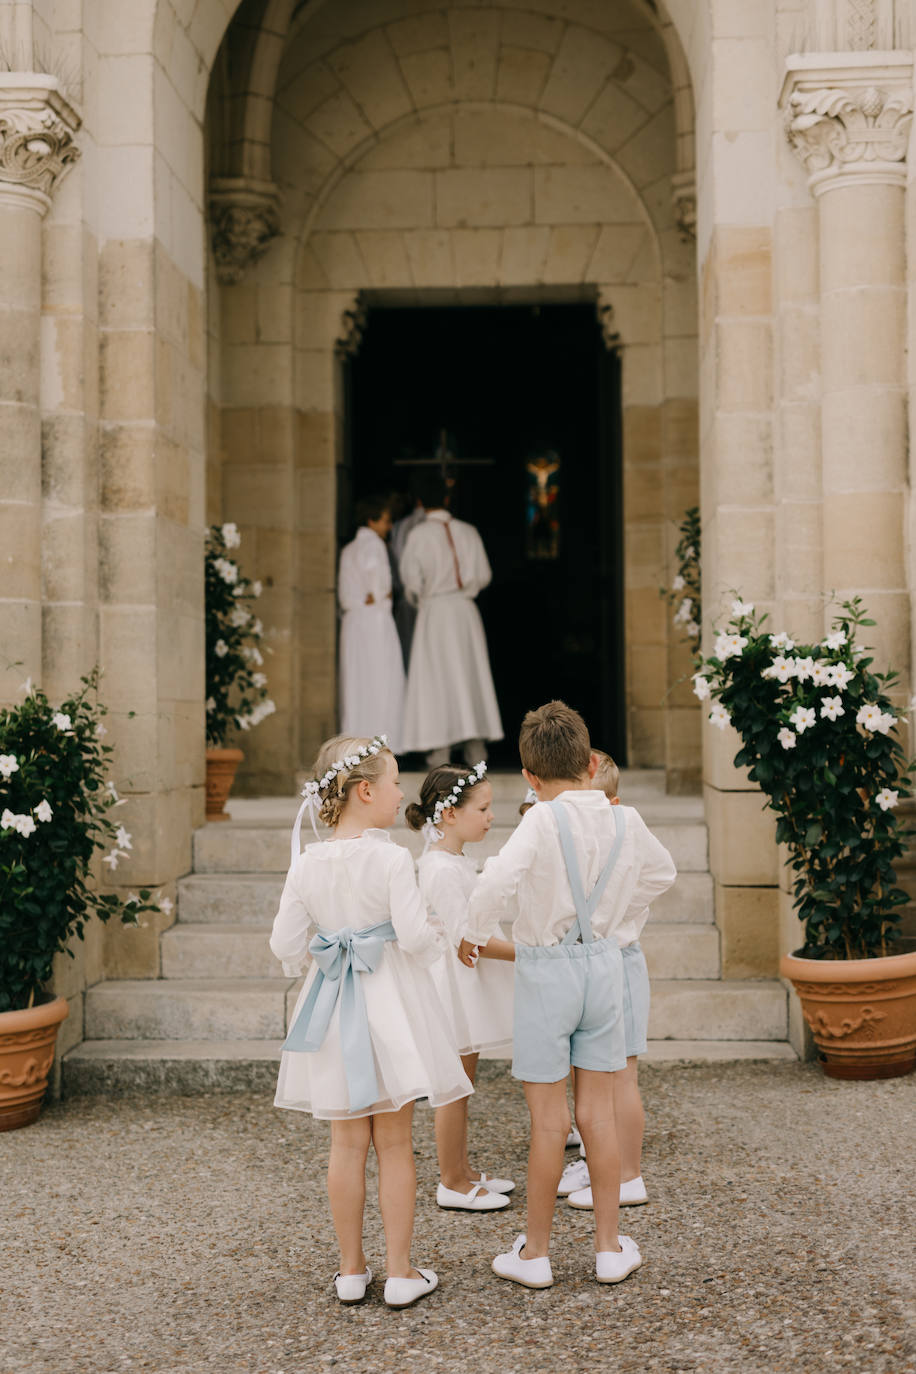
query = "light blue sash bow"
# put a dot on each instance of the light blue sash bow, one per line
(340, 956)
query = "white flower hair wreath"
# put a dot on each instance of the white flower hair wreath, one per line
(311, 792)
(430, 830)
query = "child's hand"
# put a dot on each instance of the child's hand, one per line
(467, 953)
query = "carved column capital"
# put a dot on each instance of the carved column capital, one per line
(848, 119)
(684, 195)
(37, 125)
(244, 217)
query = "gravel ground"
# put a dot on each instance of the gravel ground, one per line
(192, 1235)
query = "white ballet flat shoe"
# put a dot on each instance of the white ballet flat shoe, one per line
(633, 1193)
(612, 1266)
(533, 1273)
(479, 1199)
(404, 1292)
(573, 1179)
(497, 1185)
(352, 1287)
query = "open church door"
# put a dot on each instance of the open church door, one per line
(523, 405)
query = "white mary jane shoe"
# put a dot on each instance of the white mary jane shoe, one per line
(533, 1273)
(479, 1199)
(352, 1287)
(403, 1292)
(573, 1178)
(613, 1266)
(497, 1185)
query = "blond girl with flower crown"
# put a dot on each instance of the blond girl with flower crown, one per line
(455, 809)
(367, 1037)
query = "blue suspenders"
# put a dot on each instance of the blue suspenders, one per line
(581, 928)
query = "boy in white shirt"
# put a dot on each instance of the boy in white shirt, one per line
(573, 875)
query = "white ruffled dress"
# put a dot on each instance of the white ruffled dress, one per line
(359, 883)
(479, 1001)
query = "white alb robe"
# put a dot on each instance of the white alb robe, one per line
(450, 692)
(371, 666)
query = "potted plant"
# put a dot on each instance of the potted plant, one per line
(55, 804)
(817, 732)
(236, 688)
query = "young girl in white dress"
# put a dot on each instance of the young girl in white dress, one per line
(455, 810)
(367, 1036)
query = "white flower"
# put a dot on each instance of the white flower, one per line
(782, 641)
(8, 766)
(259, 679)
(131, 899)
(684, 611)
(821, 675)
(678, 584)
(123, 839)
(25, 825)
(257, 629)
(253, 655)
(727, 646)
(842, 676)
(700, 687)
(239, 590)
(692, 629)
(211, 704)
(781, 668)
(231, 536)
(887, 798)
(113, 859)
(221, 648)
(786, 737)
(740, 609)
(62, 721)
(886, 723)
(43, 810)
(256, 588)
(26, 687)
(243, 722)
(112, 791)
(803, 668)
(832, 708)
(7, 820)
(836, 640)
(166, 905)
(803, 718)
(689, 552)
(101, 730)
(238, 616)
(719, 717)
(870, 716)
(227, 570)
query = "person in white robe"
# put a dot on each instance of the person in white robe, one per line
(372, 679)
(450, 694)
(405, 614)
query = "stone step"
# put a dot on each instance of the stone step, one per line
(188, 1009)
(259, 1009)
(253, 898)
(111, 1067)
(245, 847)
(211, 950)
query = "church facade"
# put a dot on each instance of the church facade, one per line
(202, 203)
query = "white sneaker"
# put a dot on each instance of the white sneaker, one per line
(573, 1178)
(633, 1192)
(582, 1197)
(403, 1292)
(574, 1138)
(497, 1185)
(533, 1273)
(612, 1266)
(479, 1199)
(352, 1287)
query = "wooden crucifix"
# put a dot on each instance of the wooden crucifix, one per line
(443, 458)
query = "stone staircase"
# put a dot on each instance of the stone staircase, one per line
(220, 1009)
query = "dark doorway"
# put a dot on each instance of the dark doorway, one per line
(533, 390)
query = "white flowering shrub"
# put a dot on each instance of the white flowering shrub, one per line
(686, 591)
(55, 800)
(818, 735)
(236, 688)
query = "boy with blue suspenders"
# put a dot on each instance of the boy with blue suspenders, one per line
(570, 874)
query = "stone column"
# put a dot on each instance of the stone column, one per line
(36, 148)
(848, 119)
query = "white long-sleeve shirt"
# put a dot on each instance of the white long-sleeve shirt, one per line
(356, 883)
(364, 568)
(526, 882)
(428, 564)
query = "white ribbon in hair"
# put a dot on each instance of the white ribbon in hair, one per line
(311, 802)
(430, 832)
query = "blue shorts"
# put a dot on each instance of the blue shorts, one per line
(568, 1010)
(635, 998)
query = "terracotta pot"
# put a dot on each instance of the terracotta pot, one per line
(862, 1012)
(26, 1054)
(221, 766)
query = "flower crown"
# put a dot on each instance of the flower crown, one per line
(311, 792)
(431, 829)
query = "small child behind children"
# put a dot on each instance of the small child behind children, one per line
(574, 872)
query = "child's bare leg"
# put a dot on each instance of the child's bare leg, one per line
(631, 1120)
(397, 1187)
(595, 1118)
(549, 1112)
(452, 1137)
(347, 1188)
